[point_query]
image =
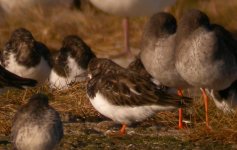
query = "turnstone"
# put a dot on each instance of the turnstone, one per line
(128, 8)
(71, 61)
(8, 79)
(158, 52)
(36, 126)
(138, 67)
(125, 96)
(226, 99)
(26, 57)
(205, 54)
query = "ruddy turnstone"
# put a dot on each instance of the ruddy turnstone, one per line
(71, 61)
(226, 99)
(204, 56)
(36, 126)
(158, 52)
(125, 96)
(138, 67)
(26, 57)
(8, 79)
(129, 8)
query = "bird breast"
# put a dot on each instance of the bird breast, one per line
(132, 7)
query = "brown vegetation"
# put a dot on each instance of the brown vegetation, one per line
(103, 33)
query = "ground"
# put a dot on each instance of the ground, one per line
(84, 127)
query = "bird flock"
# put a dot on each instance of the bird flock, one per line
(174, 55)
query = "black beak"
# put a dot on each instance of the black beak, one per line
(86, 75)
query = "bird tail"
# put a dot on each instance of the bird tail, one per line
(9, 79)
(21, 82)
(176, 100)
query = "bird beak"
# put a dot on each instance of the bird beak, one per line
(86, 76)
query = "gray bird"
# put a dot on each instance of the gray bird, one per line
(158, 52)
(205, 54)
(36, 125)
(158, 45)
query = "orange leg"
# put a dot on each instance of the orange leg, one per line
(122, 131)
(180, 93)
(206, 106)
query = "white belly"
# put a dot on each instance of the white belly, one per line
(124, 114)
(59, 82)
(39, 72)
(226, 105)
(132, 7)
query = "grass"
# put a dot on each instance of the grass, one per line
(103, 33)
(74, 108)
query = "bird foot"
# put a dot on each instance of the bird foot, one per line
(114, 134)
(209, 128)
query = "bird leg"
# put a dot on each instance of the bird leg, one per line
(126, 39)
(122, 131)
(126, 35)
(205, 98)
(180, 93)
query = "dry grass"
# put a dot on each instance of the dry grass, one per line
(71, 103)
(103, 33)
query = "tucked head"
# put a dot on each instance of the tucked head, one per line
(38, 100)
(192, 19)
(22, 43)
(75, 47)
(102, 66)
(160, 24)
(74, 44)
(21, 34)
(22, 39)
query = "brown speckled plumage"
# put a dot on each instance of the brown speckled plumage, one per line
(138, 67)
(28, 51)
(126, 88)
(74, 47)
